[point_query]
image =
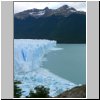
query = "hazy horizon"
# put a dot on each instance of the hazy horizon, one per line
(21, 6)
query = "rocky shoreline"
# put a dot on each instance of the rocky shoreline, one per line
(76, 92)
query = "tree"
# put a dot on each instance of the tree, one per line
(39, 92)
(17, 90)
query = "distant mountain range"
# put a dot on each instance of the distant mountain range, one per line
(65, 24)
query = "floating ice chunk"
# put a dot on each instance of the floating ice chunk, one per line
(55, 49)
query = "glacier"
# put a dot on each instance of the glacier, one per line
(29, 55)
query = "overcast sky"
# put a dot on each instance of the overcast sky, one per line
(21, 6)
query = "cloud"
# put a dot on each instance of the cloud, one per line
(21, 6)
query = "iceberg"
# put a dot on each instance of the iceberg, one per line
(29, 55)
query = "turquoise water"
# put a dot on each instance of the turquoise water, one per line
(68, 63)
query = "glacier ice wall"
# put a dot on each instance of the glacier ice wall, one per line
(28, 54)
(28, 58)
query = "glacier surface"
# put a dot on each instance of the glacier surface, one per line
(29, 56)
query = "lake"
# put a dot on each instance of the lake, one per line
(68, 63)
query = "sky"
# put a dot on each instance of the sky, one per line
(21, 6)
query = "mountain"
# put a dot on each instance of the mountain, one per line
(64, 24)
(76, 92)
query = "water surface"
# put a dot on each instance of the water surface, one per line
(69, 63)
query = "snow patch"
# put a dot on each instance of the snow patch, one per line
(40, 13)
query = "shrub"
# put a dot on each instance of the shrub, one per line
(39, 92)
(17, 90)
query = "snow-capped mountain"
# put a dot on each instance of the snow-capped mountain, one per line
(64, 11)
(64, 24)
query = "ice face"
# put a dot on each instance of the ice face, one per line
(29, 53)
(28, 58)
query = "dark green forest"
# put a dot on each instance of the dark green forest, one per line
(71, 29)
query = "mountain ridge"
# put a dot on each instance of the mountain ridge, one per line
(64, 10)
(61, 24)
